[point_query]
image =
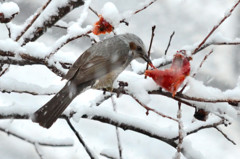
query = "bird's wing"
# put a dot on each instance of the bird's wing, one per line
(91, 66)
(97, 67)
(81, 60)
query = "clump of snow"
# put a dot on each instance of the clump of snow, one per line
(10, 45)
(111, 13)
(37, 49)
(75, 29)
(9, 9)
(84, 13)
(198, 89)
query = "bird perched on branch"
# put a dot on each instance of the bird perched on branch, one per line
(97, 67)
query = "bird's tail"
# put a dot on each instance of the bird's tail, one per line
(49, 113)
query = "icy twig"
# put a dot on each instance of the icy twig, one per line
(80, 139)
(227, 15)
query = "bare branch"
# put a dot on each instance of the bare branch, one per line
(213, 125)
(150, 46)
(225, 135)
(9, 31)
(94, 11)
(137, 11)
(215, 27)
(169, 42)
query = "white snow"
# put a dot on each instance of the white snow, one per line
(111, 14)
(37, 49)
(9, 9)
(10, 45)
(101, 138)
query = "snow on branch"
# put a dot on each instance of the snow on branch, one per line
(58, 143)
(53, 12)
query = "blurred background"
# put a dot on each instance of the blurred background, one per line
(191, 21)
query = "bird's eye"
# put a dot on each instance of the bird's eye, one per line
(139, 48)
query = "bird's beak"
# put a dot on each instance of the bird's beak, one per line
(147, 59)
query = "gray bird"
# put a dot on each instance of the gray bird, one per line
(97, 67)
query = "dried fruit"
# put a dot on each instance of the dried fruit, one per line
(102, 27)
(171, 79)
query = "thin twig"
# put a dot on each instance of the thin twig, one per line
(9, 31)
(80, 139)
(215, 27)
(137, 11)
(153, 110)
(60, 26)
(150, 46)
(107, 156)
(225, 135)
(169, 42)
(33, 142)
(94, 11)
(217, 43)
(37, 150)
(4, 70)
(220, 122)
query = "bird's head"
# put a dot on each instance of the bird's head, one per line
(137, 48)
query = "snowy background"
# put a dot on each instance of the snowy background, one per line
(191, 21)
